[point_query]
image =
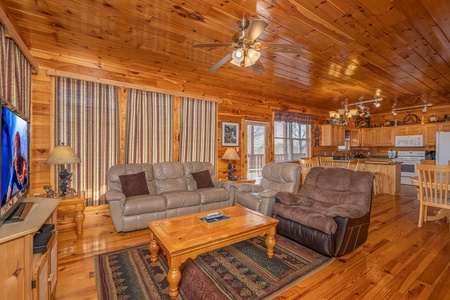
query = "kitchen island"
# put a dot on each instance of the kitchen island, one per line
(387, 174)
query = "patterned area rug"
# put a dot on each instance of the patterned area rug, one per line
(239, 271)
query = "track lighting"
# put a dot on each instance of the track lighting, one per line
(394, 113)
(376, 104)
(424, 108)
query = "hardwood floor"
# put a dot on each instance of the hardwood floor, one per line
(398, 261)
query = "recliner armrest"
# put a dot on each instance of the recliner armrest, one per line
(345, 211)
(268, 194)
(248, 187)
(115, 195)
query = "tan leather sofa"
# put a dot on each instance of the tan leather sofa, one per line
(276, 177)
(172, 192)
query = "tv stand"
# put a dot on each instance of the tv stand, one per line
(25, 275)
(19, 213)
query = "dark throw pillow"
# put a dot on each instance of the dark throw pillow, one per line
(203, 179)
(134, 184)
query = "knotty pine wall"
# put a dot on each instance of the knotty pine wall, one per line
(235, 107)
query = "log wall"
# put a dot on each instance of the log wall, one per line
(233, 107)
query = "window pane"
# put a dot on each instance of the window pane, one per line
(295, 130)
(279, 129)
(259, 133)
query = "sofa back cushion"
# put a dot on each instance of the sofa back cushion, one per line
(338, 186)
(282, 177)
(169, 177)
(118, 170)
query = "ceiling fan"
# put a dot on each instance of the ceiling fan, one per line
(246, 48)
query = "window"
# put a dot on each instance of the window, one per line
(291, 141)
(291, 135)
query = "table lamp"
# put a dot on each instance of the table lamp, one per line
(62, 155)
(231, 154)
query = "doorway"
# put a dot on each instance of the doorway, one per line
(255, 157)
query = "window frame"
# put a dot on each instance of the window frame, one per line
(288, 141)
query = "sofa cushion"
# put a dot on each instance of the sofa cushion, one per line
(306, 216)
(211, 195)
(134, 184)
(179, 199)
(138, 205)
(203, 179)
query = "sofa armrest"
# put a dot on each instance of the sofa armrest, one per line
(115, 195)
(226, 184)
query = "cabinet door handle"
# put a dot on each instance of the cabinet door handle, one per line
(17, 272)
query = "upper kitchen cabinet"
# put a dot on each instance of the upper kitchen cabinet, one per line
(430, 134)
(383, 136)
(332, 135)
(409, 130)
(444, 127)
(366, 137)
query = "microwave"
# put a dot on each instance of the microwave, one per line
(409, 141)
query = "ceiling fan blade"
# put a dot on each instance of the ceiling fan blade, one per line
(258, 67)
(255, 28)
(211, 45)
(220, 63)
(282, 47)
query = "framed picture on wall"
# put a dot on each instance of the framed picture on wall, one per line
(230, 134)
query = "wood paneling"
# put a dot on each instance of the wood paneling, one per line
(356, 46)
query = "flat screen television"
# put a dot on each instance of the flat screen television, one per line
(14, 176)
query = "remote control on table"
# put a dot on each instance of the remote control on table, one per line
(213, 215)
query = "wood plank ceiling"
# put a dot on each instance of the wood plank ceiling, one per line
(350, 48)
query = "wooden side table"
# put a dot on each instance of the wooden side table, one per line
(78, 202)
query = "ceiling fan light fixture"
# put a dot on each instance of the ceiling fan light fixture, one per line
(238, 56)
(252, 57)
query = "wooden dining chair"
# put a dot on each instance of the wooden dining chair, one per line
(352, 164)
(306, 164)
(326, 162)
(316, 161)
(434, 185)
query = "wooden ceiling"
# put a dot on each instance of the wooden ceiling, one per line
(350, 48)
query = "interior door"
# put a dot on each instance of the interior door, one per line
(256, 144)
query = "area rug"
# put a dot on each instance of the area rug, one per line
(239, 271)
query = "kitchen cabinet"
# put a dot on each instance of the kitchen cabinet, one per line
(366, 137)
(409, 130)
(383, 136)
(332, 135)
(430, 134)
(353, 136)
(444, 127)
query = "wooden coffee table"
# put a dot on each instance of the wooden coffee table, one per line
(183, 237)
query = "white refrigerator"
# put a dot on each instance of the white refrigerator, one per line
(442, 148)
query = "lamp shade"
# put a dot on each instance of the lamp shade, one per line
(61, 155)
(231, 154)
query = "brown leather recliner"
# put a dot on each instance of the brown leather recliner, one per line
(331, 213)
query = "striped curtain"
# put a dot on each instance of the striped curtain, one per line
(198, 131)
(149, 129)
(87, 119)
(15, 79)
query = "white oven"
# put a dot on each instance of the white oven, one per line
(409, 160)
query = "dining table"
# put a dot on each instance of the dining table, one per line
(442, 213)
